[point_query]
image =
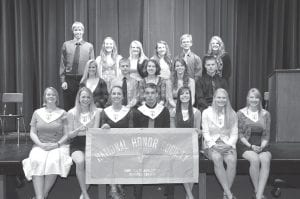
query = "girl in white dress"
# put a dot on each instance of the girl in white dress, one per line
(220, 133)
(49, 156)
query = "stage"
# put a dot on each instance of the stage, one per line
(285, 165)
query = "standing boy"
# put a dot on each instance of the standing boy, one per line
(74, 55)
(193, 61)
(129, 85)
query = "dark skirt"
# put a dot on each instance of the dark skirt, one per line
(77, 144)
(255, 139)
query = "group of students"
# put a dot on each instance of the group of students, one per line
(79, 68)
(114, 92)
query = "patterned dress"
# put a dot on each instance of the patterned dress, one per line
(254, 131)
(108, 71)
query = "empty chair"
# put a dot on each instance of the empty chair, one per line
(16, 112)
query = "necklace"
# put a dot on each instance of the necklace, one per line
(220, 119)
(84, 118)
(48, 116)
(253, 115)
(151, 80)
(49, 113)
(116, 113)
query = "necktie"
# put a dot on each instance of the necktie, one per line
(76, 59)
(185, 57)
(213, 85)
(124, 89)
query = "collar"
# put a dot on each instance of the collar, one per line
(80, 42)
(151, 112)
(188, 53)
(127, 77)
(211, 77)
(116, 116)
(49, 117)
(250, 115)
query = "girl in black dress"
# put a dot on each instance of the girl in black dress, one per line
(92, 80)
(116, 116)
(84, 115)
(216, 48)
(186, 116)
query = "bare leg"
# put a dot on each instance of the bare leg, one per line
(253, 158)
(220, 172)
(48, 184)
(265, 158)
(230, 161)
(78, 158)
(38, 185)
(188, 190)
(114, 192)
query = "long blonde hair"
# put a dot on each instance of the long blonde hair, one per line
(142, 55)
(114, 52)
(77, 108)
(220, 42)
(85, 75)
(229, 113)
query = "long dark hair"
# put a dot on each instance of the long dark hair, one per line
(185, 75)
(178, 117)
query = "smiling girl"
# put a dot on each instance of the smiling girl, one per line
(108, 61)
(220, 133)
(163, 56)
(49, 156)
(84, 115)
(92, 80)
(254, 135)
(186, 116)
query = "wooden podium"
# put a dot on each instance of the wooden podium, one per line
(284, 105)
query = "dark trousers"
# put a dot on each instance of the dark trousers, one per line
(69, 94)
(169, 191)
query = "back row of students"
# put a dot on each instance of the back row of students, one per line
(78, 66)
(53, 131)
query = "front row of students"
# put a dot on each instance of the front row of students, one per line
(53, 131)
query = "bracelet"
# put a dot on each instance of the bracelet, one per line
(58, 144)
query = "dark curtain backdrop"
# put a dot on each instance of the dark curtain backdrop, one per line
(260, 36)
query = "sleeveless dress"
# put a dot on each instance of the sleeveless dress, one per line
(108, 72)
(253, 131)
(49, 130)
